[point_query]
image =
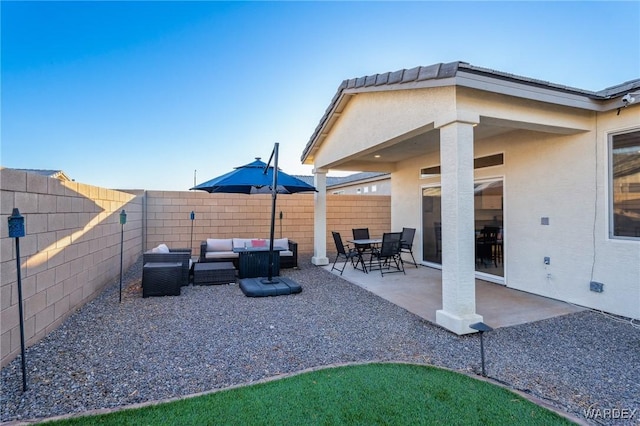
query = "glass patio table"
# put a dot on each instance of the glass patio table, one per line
(366, 242)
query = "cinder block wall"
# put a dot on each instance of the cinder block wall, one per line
(345, 212)
(244, 216)
(71, 250)
(225, 216)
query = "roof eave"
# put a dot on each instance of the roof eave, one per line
(463, 74)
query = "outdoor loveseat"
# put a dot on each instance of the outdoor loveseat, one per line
(221, 250)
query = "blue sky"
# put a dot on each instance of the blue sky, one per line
(141, 94)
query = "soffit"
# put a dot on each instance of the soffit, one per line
(384, 158)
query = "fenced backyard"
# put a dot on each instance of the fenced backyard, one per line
(72, 245)
(88, 351)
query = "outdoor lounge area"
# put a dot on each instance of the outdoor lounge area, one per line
(111, 354)
(232, 249)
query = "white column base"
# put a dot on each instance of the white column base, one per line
(320, 261)
(457, 324)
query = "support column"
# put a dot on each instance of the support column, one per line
(458, 243)
(320, 218)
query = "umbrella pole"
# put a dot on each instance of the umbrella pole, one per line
(274, 194)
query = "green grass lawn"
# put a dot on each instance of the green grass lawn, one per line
(389, 394)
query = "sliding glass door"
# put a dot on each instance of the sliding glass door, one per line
(489, 232)
(431, 229)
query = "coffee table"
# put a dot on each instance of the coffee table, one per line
(207, 273)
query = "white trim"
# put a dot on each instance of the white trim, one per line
(496, 279)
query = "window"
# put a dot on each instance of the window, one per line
(478, 163)
(358, 191)
(488, 220)
(374, 188)
(366, 189)
(624, 166)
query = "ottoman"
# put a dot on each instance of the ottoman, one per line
(161, 279)
(207, 273)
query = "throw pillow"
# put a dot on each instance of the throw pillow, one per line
(258, 243)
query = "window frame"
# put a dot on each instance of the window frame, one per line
(486, 161)
(610, 200)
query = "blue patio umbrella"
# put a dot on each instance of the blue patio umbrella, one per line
(252, 179)
(258, 178)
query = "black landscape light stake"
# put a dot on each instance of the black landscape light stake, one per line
(192, 217)
(16, 230)
(123, 220)
(481, 327)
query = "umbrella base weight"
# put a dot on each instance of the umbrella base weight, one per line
(261, 287)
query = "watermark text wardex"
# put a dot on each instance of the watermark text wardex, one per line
(595, 413)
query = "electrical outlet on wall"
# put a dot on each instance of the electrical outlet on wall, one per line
(596, 287)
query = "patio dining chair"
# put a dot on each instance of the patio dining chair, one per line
(406, 243)
(388, 257)
(346, 252)
(362, 234)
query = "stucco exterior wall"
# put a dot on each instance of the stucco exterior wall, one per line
(383, 187)
(555, 166)
(380, 116)
(564, 178)
(71, 250)
(523, 113)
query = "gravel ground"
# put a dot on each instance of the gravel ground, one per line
(109, 354)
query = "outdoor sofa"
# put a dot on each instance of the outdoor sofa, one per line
(221, 250)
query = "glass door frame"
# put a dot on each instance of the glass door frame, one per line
(479, 275)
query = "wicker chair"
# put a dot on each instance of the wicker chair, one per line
(182, 255)
(161, 279)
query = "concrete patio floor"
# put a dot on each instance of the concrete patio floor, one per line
(420, 292)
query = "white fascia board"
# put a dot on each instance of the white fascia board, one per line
(535, 93)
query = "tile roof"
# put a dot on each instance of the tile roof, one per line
(449, 70)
